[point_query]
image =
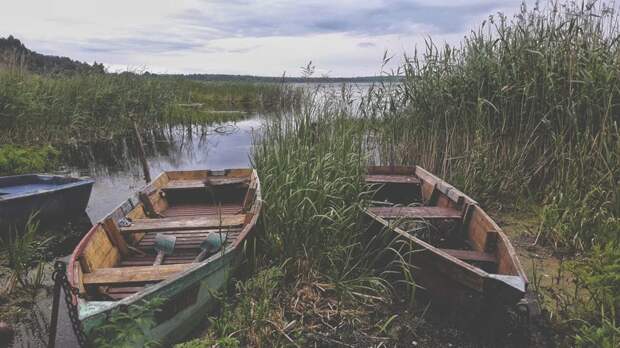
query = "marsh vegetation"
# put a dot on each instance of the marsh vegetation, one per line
(522, 115)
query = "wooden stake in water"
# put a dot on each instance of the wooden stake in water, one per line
(142, 154)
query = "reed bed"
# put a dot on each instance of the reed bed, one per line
(525, 113)
(315, 274)
(87, 107)
(526, 109)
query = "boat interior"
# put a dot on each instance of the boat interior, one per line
(181, 218)
(440, 218)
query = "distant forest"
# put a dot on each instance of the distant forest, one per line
(251, 78)
(13, 53)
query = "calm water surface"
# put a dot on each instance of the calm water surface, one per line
(218, 146)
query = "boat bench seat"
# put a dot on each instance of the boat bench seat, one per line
(470, 255)
(184, 223)
(421, 213)
(137, 274)
(188, 239)
(392, 179)
(182, 185)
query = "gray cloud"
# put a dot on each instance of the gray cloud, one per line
(242, 18)
(221, 19)
(220, 35)
(136, 44)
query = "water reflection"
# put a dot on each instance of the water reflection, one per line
(116, 169)
(117, 172)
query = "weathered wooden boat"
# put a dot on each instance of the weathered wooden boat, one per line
(165, 246)
(462, 256)
(52, 197)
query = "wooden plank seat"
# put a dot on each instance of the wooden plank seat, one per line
(392, 179)
(137, 274)
(181, 185)
(184, 223)
(470, 255)
(421, 213)
(194, 209)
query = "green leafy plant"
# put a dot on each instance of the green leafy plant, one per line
(128, 326)
(21, 160)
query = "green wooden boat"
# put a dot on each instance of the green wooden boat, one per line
(179, 242)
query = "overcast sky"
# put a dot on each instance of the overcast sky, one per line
(342, 38)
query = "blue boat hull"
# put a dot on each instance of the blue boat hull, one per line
(54, 198)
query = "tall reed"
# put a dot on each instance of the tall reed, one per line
(61, 109)
(526, 108)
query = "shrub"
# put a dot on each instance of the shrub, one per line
(21, 160)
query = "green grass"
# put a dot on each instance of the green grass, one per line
(314, 269)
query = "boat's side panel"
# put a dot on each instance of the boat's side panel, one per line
(160, 181)
(478, 227)
(444, 194)
(443, 277)
(99, 252)
(52, 205)
(186, 299)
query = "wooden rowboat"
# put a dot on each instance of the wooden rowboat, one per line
(54, 198)
(462, 256)
(119, 262)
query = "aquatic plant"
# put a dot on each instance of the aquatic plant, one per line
(22, 160)
(128, 326)
(23, 252)
(86, 107)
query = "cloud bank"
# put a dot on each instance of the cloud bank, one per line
(267, 37)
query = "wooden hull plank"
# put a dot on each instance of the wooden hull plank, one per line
(470, 255)
(422, 213)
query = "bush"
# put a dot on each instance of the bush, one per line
(21, 160)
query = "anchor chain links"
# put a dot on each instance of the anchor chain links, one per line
(60, 275)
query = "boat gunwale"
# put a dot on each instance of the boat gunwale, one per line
(82, 181)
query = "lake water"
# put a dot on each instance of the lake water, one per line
(216, 146)
(182, 147)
